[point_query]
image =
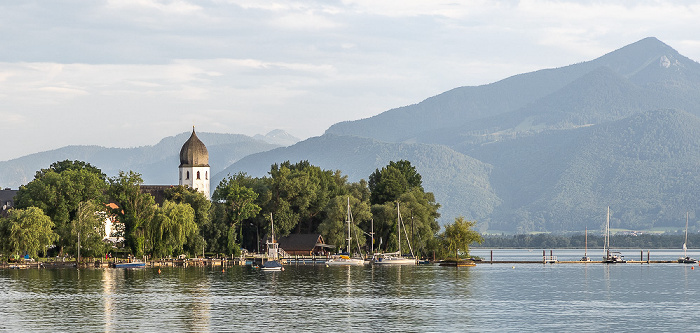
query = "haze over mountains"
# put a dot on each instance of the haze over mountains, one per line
(541, 151)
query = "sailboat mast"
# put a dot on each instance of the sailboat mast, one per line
(685, 246)
(272, 227)
(606, 243)
(585, 252)
(348, 218)
(398, 224)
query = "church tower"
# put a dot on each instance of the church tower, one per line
(194, 165)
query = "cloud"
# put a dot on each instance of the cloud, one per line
(138, 70)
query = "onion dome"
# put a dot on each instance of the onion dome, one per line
(194, 153)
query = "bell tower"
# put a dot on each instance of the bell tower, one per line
(194, 165)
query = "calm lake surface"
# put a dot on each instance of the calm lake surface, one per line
(315, 298)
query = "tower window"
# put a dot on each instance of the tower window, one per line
(206, 175)
(198, 175)
(188, 175)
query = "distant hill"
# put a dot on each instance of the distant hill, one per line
(158, 163)
(277, 137)
(647, 75)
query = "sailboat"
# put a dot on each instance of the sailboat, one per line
(272, 264)
(610, 257)
(585, 252)
(396, 258)
(344, 259)
(685, 259)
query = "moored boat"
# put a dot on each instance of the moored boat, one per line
(344, 259)
(396, 258)
(393, 259)
(136, 264)
(272, 264)
(608, 256)
(685, 259)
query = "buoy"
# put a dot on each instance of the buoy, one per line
(692, 267)
(158, 270)
(223, 270)
(513, 267)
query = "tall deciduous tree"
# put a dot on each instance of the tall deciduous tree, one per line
(170, 228)
(240, 203)
(400, 182)
(88, 229)
(202, 210)
(459, 235)
(58, 190)
(392, 181)
(26, 230)
(135, 208)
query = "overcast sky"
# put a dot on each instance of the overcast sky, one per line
(124, 73)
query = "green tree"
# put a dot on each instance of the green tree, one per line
(170, 228)
(88, 229)
(334, 228)
(391, 181)
(240, 203)
(60, 166)
(459, 235)
(202, 211)
(135, 209)
(58, 190)
(300, 194)
(27, 230)
(400, 182)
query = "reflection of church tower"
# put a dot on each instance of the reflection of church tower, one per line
(194, 165)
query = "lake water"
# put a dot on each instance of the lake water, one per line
(315, 298)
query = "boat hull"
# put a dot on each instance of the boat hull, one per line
(130, 265)
(271, 266)
(345, 262)
(395, 261)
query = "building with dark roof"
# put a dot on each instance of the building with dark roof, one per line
(304, 244)
(7, 200)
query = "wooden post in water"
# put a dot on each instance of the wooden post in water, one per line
(544, 257)
(641, 255)
(647, 256)
(551, 255)
(492, 256)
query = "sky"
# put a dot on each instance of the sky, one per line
(127, 73)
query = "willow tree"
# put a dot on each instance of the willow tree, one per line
(459, 235)
(26, 230)
(170, 228)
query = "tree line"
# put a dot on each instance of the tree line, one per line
(628, 241)
(64, 207)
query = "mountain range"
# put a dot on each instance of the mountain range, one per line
(542, 151)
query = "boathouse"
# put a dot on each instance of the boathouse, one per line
(304, 245)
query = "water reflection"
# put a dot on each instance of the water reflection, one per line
(498, 297)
